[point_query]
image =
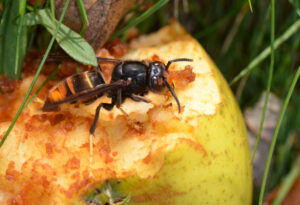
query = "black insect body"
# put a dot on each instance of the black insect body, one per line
(130, 79)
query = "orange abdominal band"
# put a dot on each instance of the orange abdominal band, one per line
(70, 85)
(58, 93)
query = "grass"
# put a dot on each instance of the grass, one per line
(275, 136)
(35, 77)
(270, 77)
(254, 43)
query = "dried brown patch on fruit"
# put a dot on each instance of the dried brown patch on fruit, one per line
(116, 47)
(79, 183)
(132, 33)
(182, 78)
(162, 196)
(155, 58)
(8, 85)
(6, 108)
(11, 173)
(73, 163)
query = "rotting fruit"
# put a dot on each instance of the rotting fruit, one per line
(153, 155)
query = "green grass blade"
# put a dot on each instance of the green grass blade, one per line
(3, 23)
(82, 12)
(84, 18)
(214, 26)
(52, 8)
(35, 5)
(288, 182)
(266, 52)
(133, 14)
(141, 18)
(270, 77)
(29, 8)
(234, 29)
(250, 6)
(257, 41)
(274, 139)
(22, 7)
(35, 77)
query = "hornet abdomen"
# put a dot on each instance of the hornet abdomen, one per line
(75, 85)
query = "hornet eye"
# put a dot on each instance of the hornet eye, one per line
(157, 83)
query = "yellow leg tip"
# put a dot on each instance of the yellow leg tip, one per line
(91, 153)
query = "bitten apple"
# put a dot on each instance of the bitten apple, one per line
(151, 155)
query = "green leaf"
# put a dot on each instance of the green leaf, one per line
(71, 42)
(9, 65)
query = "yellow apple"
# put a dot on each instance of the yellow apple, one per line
(151, 155)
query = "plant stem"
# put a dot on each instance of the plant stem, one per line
(270, 77)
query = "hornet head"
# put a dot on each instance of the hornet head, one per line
(157, 77)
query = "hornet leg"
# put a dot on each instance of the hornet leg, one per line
(107, 107)
(93, 127)
(139, 98)
(99, 69)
